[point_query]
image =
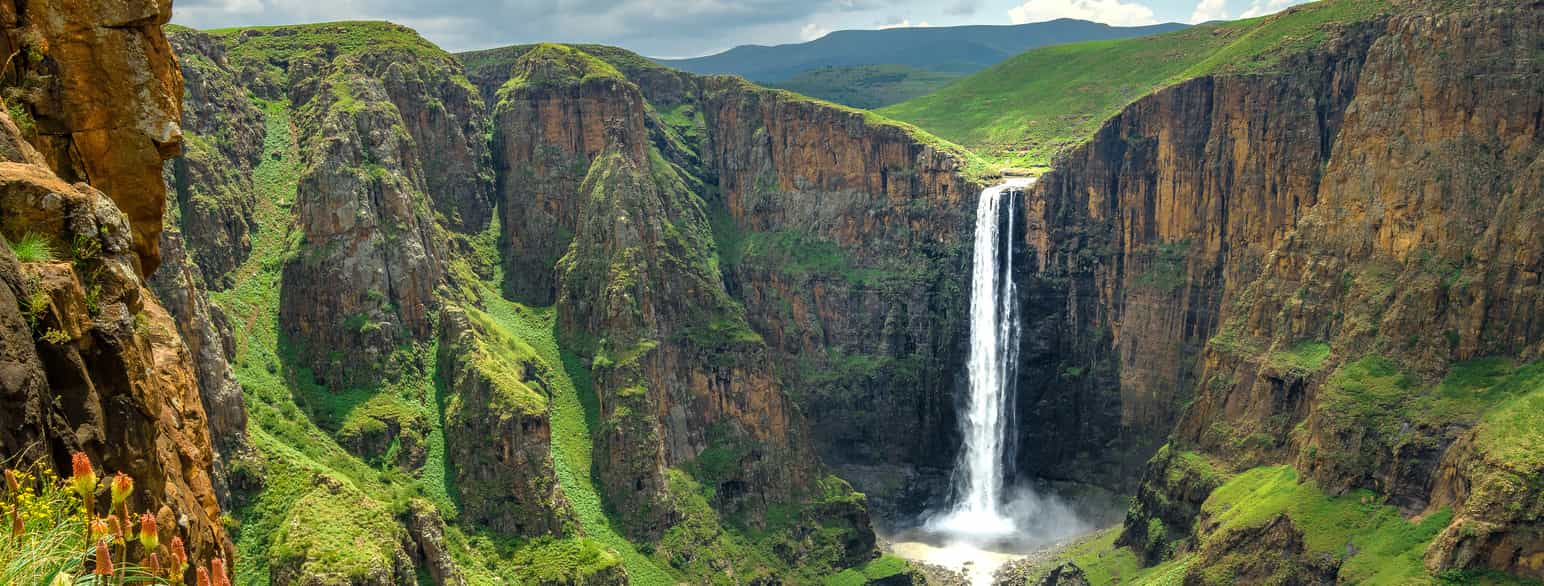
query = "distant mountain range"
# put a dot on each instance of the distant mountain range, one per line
(841, 66)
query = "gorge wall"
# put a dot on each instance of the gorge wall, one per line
(1344, 241)
(827, 239)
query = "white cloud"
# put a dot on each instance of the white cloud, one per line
(1106, 11)
(811, 31)
(1209, 10)
(1264, 7)
(905, 23)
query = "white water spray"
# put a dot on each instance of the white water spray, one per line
(987, 421)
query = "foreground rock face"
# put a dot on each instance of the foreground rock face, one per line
(1385, 228)
(94, 362)
(115, 52)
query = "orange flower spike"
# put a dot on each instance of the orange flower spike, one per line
(203, 578)
(82, 478)
(104, 560)
(179, 555)
(149, 535)
(123, 485)
(11, 483)
(153, 564)
(17, 526)
(115, 528)
(99, 529)
(217, 567)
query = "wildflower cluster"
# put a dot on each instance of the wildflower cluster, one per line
(56, 535)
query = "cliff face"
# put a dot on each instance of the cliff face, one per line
(371, 255)
(116, 51)
(1343, 241)
(743, 265)
(212, 180)
(846, 240)
(96, 363)
(1138, 240)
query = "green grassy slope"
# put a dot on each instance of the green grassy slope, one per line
(868, 86)
(308, 476)
(1023, 111)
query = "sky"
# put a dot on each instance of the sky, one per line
(689, 28)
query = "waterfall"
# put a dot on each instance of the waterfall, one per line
(987, 421)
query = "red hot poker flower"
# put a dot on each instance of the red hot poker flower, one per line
(123, 484)
(203, 578)
(82, 478)
(149, 535)
(217, 567)
(104, 560)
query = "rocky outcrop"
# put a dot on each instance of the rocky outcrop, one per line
(427, 530)
(93, 362)
(223, 142)
(1375, 236)
(115, 52)
(371, 256)
(498, 431)
(551, 122)
(1272, 553)
(207, 334)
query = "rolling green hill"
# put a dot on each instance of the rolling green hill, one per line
(1023, 111)
(868, 86)
(873, 68)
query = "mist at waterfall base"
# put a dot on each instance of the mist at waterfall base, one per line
(988, 521)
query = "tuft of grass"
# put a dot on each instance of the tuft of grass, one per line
(1304, 358)
(33, 247)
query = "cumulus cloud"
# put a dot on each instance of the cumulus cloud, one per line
(1113, 12)
(811, 31)
(902, 23)
(1209, 10)
(1264, 7)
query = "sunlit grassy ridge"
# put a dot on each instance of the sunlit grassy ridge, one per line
(573, 413)
(1025, 110)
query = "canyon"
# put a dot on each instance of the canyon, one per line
(356, 310)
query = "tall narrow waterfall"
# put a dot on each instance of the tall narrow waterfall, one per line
(987, 420)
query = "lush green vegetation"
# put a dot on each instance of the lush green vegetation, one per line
(33, 247)
(550, 64)
(1376, 544)
(1375, 392)
(1025, 110)
(868, 86)
(287, 43)
(1304, 358)
(874, 571)
(574, 414)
